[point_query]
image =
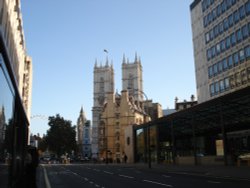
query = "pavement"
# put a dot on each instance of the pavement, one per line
(225, 172)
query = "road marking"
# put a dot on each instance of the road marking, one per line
(96, 170)
(108, 172)
(126, 176)
(213, 182)
(166, 176)
(46, 178)
(154, 182)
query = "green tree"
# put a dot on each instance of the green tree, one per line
(61, 136)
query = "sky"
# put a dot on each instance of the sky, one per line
(64, 38)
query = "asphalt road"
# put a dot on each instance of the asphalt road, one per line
(117, 176)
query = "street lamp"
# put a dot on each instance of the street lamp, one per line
(148, 127)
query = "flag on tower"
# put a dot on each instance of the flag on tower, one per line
(105, 51)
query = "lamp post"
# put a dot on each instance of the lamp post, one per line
(148, 127)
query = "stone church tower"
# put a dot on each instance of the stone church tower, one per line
(103, 84)
(132, 78)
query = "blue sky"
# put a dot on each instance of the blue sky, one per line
(65, 37)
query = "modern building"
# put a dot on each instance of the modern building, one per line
(15, 95)
(216, 130)
(87, 140)
(221, 42)
(103, 84)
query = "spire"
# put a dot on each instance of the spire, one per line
(127, 61)
(136, 57)
(123, 59)
(81, 111)
(139, 60)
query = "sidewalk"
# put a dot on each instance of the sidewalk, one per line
(232, 172)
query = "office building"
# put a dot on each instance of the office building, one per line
(221, 42)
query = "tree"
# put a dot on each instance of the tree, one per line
(61, 136)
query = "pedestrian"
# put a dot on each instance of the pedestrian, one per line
(30, 167)
(125, 158)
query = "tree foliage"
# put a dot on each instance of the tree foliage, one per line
(61, 136)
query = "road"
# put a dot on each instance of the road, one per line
(117, 176)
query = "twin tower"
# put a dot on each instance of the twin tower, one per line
(104, 84)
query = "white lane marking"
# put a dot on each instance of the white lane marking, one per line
(108, 172)
(213, 182)
(166, 176)
(46, 178)
(154, 182)
(126, 176)
(97, 185)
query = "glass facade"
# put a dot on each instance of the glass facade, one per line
(13, 131)
(6, 122)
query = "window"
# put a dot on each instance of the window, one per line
(211, 34)
(236, 16)
(217, 87)
(218, 48)
(212, 90)
(230, 61)
(242, 55)
(242, 12)
(214, 14)
(222, 86)
(207, 37)
(205, 21)
(220, 67)
(222, 45)
(223, 6)
(244, 31)
(213, 52)
(216, 31)
(218, 9)
(224, 62)
(226, 81)
(239, 35)
(229, 3)
(226, 24)
(215, 69)
(236, 59)
(210, 71)
(221, 29)
(247, 52)
(230, 20)
(247, 7)
(228, 42)
(208, 54)
(233, 39)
